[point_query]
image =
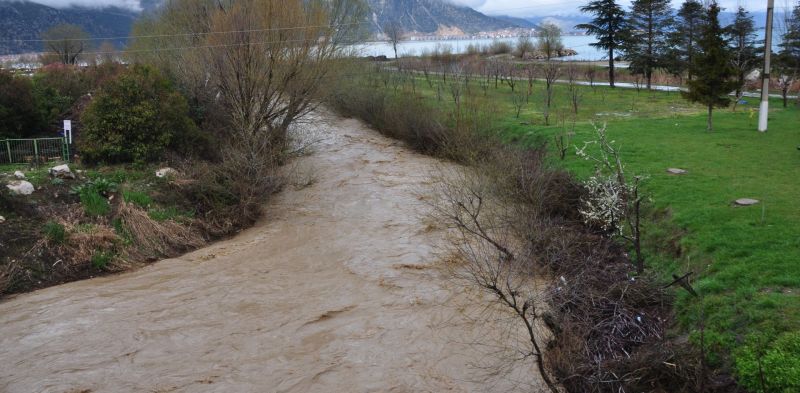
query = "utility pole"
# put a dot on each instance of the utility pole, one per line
(764, 108)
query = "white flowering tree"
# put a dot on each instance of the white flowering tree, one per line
(612, 201)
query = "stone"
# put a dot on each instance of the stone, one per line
(746, 202)
(62, 172)
(676, 171)
(2, 219)
(20, 187)
(19, 175)
(166, 172)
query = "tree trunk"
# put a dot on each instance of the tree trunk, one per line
(611, 67)
(710, 126)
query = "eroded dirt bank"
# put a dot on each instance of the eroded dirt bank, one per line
(332, 292)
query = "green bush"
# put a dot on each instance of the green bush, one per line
(779, 363)
(54, 232)
(136, 117)
(18, 117)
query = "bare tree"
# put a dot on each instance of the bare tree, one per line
(524, 46)
(575, 92)
(530, 74)
(551, 71)
(66, 42)
(394, 33)
(507, 74)
(490, 259)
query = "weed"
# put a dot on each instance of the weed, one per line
(101, 259)
(138, 198)
(94, 204)
(55, 232)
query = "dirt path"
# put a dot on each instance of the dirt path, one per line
(332, 292)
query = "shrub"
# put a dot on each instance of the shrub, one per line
(54, 232)
(500, 48)
(779, 364)
(136, 117)
(18, 117)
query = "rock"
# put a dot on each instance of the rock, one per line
(20, 187)
(2, 219)
(19, 175)
(166, 172)
(62, 172)
(676, 171)
(746, 202)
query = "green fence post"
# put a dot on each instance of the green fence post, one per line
(8, 148)
(66, 149)
(35, 151)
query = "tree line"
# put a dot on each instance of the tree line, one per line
(691, 43)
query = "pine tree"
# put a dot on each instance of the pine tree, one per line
(742, 34)
(788, 63)
(649, 23)
(607, 26)
(715, 78)
(683, 40)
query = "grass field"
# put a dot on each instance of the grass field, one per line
(746, 260)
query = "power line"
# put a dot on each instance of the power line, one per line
(184, 34)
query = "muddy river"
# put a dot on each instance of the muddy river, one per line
(335, 290)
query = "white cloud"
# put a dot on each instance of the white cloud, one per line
(129, 4)
(523, 8)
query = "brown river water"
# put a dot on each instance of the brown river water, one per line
(336, 290)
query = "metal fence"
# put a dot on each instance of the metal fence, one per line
(35, 151)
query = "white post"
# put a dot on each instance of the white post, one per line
(68, 131)
(763, 110)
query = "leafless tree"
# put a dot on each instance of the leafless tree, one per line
(591, 75)
(490, 259)
(66, 42)
(530, 74)
(507, 74)
(524, 46)
(551, 71)
(573, 87)
(394, 33)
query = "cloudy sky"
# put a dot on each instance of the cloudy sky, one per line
(519, 8)
(565, 7)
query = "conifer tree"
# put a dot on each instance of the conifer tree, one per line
(715, 78)
(607, 26)
(649, 24)
(742, 33)
(788, 63)
(683, 40)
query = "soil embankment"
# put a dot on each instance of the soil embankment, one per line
(335, 290)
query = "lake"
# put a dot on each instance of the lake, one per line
(579, 43)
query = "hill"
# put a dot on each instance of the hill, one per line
(431, 16)
(22, 21)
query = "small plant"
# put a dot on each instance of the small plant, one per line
(101, 259)
(57, 181)
(169, 213)
(55, 232)
(613, 202)
(138, 198)
(94, 204)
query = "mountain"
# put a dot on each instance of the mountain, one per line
(24, 20)
(432, 16)
(519, 22)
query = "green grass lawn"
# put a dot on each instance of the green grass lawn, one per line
(746, 260)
